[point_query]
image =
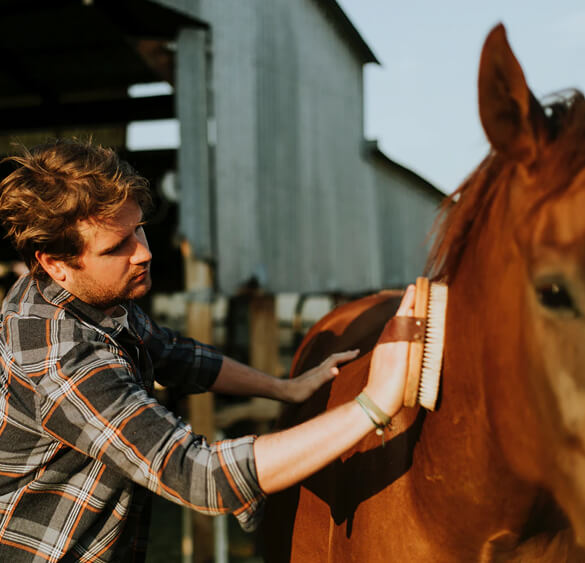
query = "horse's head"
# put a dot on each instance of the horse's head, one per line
(512, 247)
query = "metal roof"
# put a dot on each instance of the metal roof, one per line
(372, 150)
(347, 29)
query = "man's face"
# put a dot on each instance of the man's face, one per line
(115, 263)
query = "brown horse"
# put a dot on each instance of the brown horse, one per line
(497, 473)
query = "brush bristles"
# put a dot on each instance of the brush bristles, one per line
(433, 346)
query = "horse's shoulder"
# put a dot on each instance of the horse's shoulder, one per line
(347, 314)
(356, 324)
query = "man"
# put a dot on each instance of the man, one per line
(82, 441)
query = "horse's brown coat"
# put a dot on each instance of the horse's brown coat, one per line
(491, 475)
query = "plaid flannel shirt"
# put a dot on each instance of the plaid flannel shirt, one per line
(83, 443)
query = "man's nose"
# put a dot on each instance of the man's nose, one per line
(141, 251)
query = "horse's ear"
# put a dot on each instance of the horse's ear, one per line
(511, 116)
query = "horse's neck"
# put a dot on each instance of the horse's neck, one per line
(461, 445)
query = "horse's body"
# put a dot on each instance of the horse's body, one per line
(498, 472)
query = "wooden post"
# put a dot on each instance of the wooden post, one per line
(199, 287)
(196, 215)
(263, 333)
(263, 345)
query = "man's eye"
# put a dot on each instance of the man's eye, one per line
(115, 249)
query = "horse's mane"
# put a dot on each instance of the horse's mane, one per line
(463, 212)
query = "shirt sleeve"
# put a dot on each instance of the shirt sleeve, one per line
(179, 362)
(89, 400)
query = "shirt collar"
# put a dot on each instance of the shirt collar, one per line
(60, 297)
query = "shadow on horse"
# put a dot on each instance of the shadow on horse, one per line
(498, 472)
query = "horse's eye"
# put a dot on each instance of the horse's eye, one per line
(553, 295)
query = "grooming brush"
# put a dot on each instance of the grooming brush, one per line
(425, 355)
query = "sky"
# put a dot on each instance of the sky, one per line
(421, 101)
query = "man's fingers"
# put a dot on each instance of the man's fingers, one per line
(340, 357)
(406, 307)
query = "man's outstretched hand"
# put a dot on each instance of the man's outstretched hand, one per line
(302, 387)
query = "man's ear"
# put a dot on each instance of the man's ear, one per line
(54, 268)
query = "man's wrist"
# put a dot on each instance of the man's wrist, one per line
(284, 389)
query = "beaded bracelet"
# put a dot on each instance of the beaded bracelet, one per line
(378, 417)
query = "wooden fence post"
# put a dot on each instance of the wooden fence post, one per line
(263, 348)
(199, 288)
(264, 333)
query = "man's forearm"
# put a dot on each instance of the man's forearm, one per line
(285, 458)
(235, 378)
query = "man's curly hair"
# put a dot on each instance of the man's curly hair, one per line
(58, 184)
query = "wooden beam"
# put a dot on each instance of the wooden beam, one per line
(86, 113)
(196, 209)
(263, 333)
(199, 287)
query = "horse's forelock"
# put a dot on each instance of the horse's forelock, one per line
(463, 211)
(567, 146)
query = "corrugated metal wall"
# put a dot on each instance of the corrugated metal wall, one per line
(406, 209)
(296, 205)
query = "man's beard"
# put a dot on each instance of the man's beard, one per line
(107, 298)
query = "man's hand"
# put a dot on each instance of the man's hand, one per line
(388, 367)
(302, 387)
